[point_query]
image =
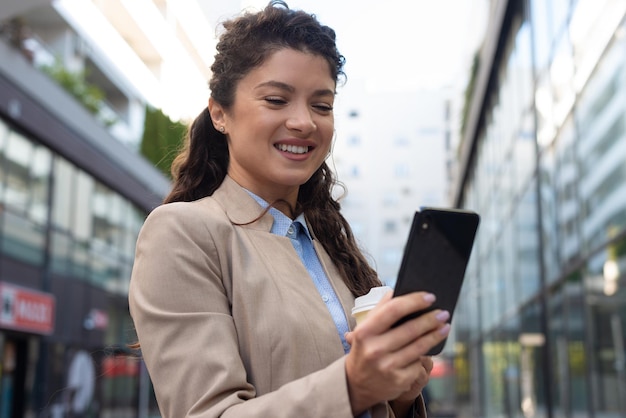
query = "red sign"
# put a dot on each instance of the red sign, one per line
(114, 366)
(26, 310)
(441, 368)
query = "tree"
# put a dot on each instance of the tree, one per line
(162, 139)
(75, 83)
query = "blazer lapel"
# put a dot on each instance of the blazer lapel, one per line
(291, 278)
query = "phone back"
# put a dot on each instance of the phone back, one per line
(436, 256)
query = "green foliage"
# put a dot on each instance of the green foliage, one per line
(469, 92)
(616, 249)
(74, 82)
(162, 139)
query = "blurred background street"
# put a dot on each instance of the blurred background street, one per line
(515, 109)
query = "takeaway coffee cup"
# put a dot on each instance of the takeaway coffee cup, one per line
(364, 304)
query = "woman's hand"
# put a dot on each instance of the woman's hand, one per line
(403, 403)
(419, 383)
(388, 363)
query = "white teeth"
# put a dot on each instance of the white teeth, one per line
(294, 149)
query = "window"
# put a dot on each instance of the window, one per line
(401, 141)
(27, 167)
(401, 170)
(354, 141)
(390, 226)
(64, 185)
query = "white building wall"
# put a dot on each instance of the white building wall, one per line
(390, 151)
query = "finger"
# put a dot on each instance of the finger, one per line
(414, 351)
(427, 362)
(412, 355)
(391, 309)
(419, 378)
(415, 329)
(423, 375)
(413, 376)
(422, 379)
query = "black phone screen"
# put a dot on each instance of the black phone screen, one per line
(436, 256)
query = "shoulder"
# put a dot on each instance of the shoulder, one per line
(185, 219)
(184, 210)
(229, 206)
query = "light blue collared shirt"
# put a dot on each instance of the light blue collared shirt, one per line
(300, 237)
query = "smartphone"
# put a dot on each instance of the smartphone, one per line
(435, 258)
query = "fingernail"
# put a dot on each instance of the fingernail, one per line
(429, 297)
(443, 316)
(445, 329)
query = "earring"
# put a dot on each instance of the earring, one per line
(222, 129)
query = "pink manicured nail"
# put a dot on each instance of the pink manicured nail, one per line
(429, 297)
(445, 329)
(443, 316)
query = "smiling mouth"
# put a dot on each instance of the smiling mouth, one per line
(293, 149)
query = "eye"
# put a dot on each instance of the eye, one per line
(277, 101)
(323, 107)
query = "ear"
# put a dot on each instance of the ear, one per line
(218, 116)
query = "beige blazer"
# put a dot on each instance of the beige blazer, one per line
(229, 321)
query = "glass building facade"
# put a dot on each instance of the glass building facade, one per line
(65, 233)
(71, 206)
(540, 328)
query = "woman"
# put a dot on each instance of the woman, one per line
(243, 280)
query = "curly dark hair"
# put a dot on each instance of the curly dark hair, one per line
(200, 168)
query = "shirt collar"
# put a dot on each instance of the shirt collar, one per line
(282, 222)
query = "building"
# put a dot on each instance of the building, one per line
(390, 153)
(74, 192)
(540, 325)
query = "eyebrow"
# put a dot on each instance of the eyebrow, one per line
(286, 87)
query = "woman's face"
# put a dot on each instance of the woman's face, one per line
(281, 124)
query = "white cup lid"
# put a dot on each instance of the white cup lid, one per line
(367, 302)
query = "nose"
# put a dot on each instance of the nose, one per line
(301, 120)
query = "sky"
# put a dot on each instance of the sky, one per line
(389, 45)
(400, 44)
